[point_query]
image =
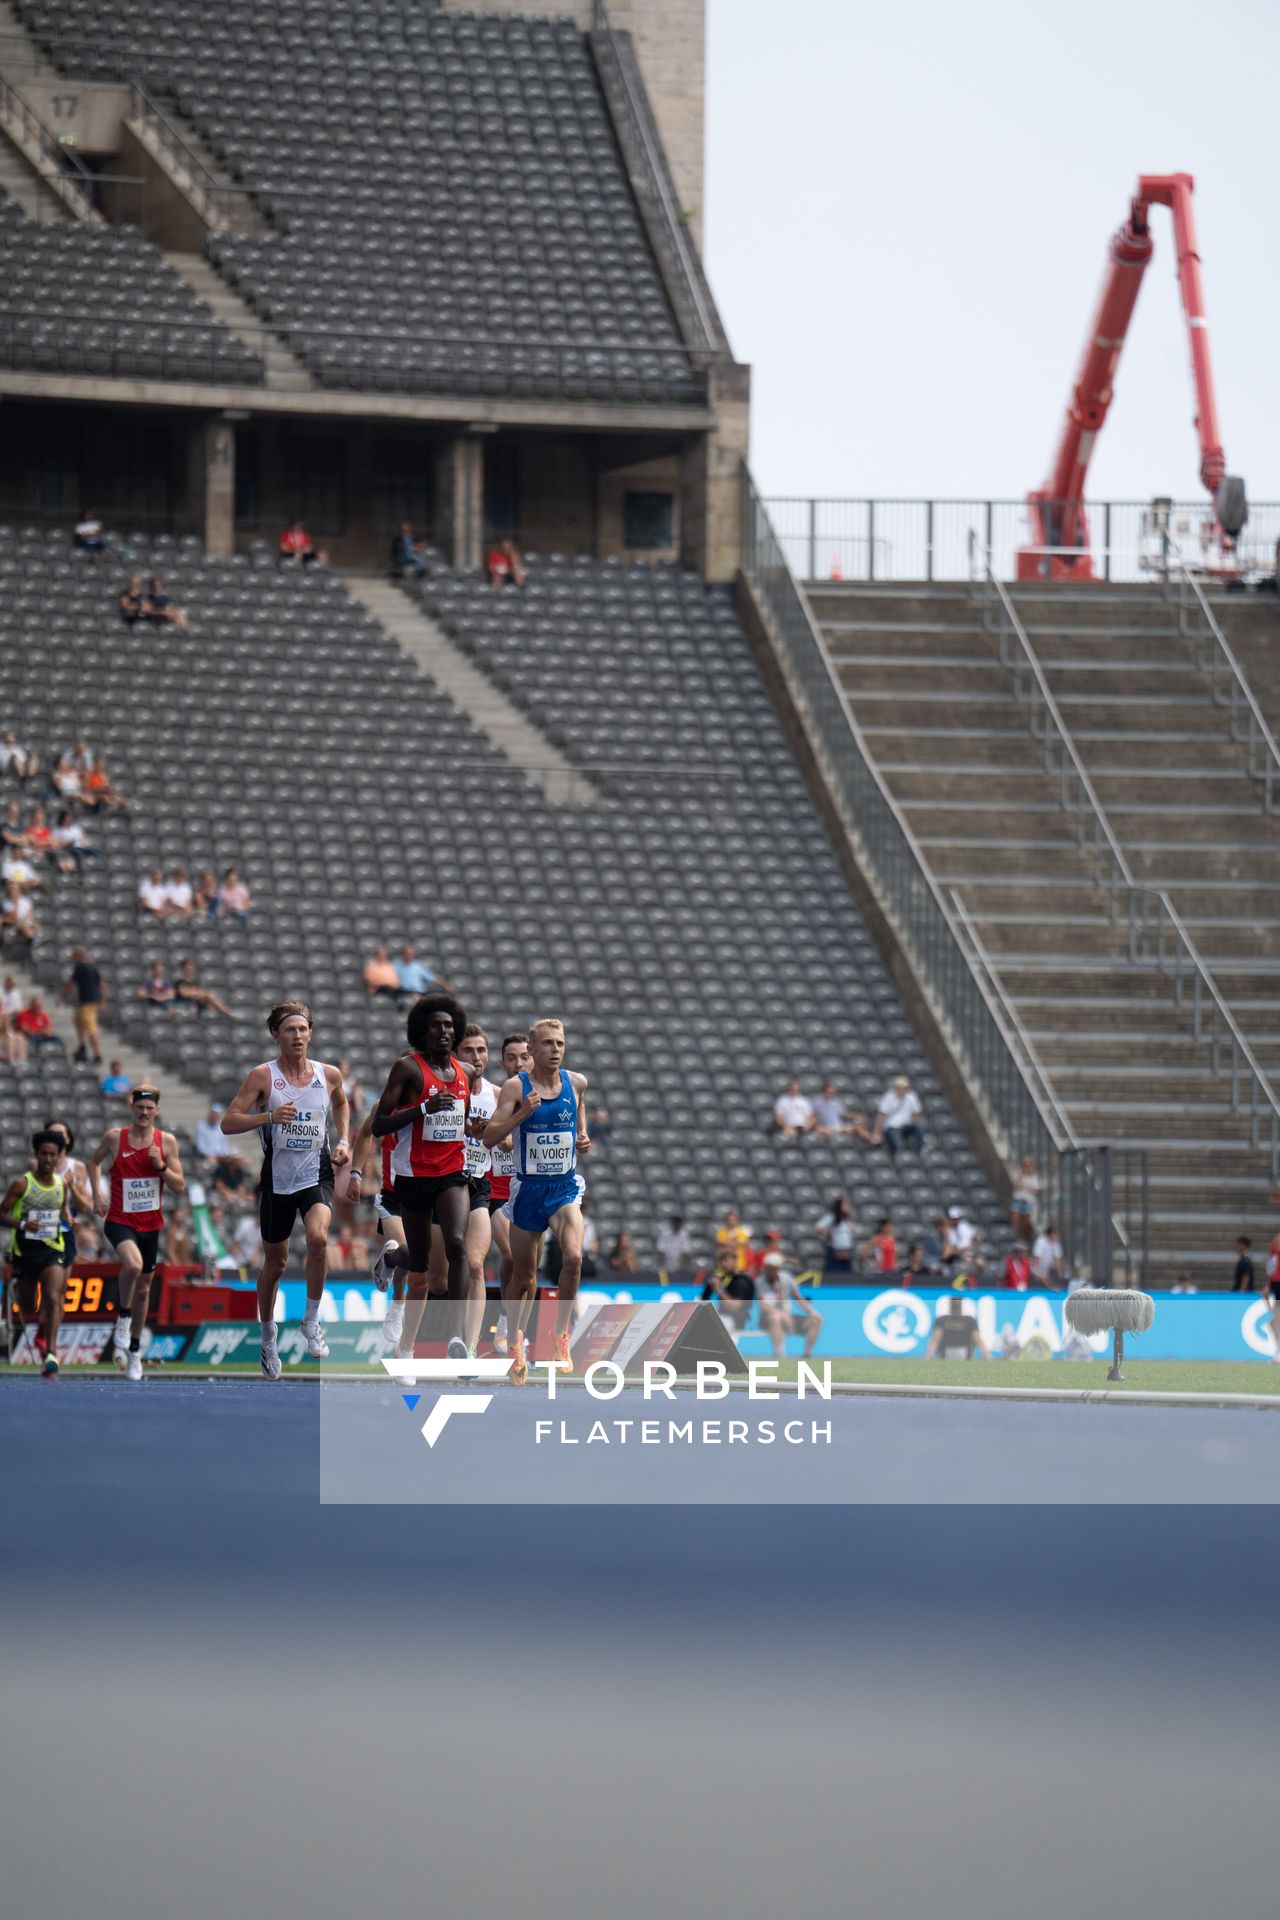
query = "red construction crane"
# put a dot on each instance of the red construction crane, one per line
(1059, 548)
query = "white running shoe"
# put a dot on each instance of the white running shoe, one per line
(381, 1271)
(120, 1345)
(271, 1368)
(500, 1335)
(134, 1369)
(393, 1325)
(456, 1349)
(317, 1345)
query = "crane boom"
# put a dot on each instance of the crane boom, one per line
(1059, 524)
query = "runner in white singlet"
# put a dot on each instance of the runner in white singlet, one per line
(290, 1100)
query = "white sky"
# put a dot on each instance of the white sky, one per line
(906, 217)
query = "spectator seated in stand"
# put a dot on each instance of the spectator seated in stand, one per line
(1017, 1268)
(674, 1245)
(67, 782)
(415, 977)
(836, 1232)
(793, 1112)
(89, 535)
(191, 994)
(179, 896)
(233, 1180)
(98, 790)
(295, 546)
(1047, 1268)
(965, 1240)
(233, 898)
(406, 555)
(18, 916)
(71, 843)
(915, 1271)
(505, 567)
(159, 990)
(133, 601)
(158, 609)
(622, 1255)
(732, 1241)
(879, 1254)
(898, 1119)
(36, 1026)
(833, 1117)
(599, 1126)
(13, 1044)
(153, 895)
(16, 760)
(13, 834)
(205, 898)
(210, 1141)
(116, 1084)
(733, 1291)
(381, 977)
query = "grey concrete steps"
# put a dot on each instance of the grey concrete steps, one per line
(284, 372)
(20, 183)
(511, 731)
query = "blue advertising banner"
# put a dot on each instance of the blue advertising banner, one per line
(897, 1321)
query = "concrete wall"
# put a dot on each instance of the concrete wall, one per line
(670, 42)
(87, 113)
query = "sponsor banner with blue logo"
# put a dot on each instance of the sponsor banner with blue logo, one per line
(897, 1321)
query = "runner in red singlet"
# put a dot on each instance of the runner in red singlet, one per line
(426, 1104)
(142, 1161)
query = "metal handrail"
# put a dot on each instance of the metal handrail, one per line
(897, 863)
(1263, 1094)
(663, 187)
(1264, 766)
(1011, 624)
(210, 190)
(1013, 1019)
(77, 183)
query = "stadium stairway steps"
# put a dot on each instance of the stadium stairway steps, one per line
(183, 1106)
(283, 372)
(950, 732)
(236, 209)
(20, 183)
(510, 730)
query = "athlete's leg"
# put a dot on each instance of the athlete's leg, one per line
(52, 1284)
(138, 1315)
(275, 1258)
(812, 1328)
(568, 1228)
(526, 1251)
(316, 1263)
(502, 1240)
(129, 1254)
(479, 1237)
(453, 1211)
(417, 1250)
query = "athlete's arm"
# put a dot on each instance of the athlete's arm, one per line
(171, 1172)
(101, 1192)
(361, 1147)
(578, 1081)
(248, 1109)
(81, 1190)
(511, 1109)
(9, 1207)
(397, 1105)
(341, 1108)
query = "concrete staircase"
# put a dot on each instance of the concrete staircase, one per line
(951, 736)
(284, 373)
(511, 731)
(19, 181)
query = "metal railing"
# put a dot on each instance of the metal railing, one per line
(969, 1003)
(220, 204)
(1212, 1018)
(1196, 620)
(62, 171)
(861, 540)
(654, 187)
(1076, 790)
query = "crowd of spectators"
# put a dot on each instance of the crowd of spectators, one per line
(400, 980)
(42, 828)
(897, 1125)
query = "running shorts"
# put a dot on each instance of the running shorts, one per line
(278, 1211)
(537, 1198)
(117, 1233)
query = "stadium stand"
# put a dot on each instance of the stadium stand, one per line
(694, 928)
(450, 208)
(950, 728)
(99, 299)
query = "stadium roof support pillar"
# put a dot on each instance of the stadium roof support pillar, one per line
(459, 520)
(212, 482)
(711, 478)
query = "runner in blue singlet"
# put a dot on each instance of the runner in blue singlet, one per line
(543, 1105)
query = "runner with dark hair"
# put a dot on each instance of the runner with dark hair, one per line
(426, 1104)
(37, 1207)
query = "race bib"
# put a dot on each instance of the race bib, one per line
(477, 1159)
(141, 1194)
(448, 1124)
(43, 1223)
(303, 1133)
(548, 1152)
(504, 1162)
